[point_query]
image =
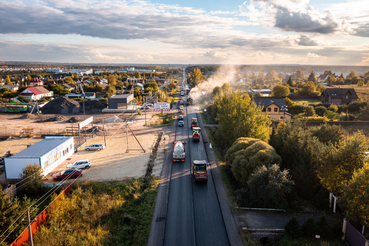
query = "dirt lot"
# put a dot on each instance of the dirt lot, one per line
(113, 163)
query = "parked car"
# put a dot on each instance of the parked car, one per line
(95, 147)
(180, 106)
(149, 104)
(180, 123)
(67, 174)
(180, 117)
(181, 102)
(81, 164)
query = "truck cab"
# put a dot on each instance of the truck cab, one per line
(194, 123)
(199, 171)
(179, 151)
(196, 134)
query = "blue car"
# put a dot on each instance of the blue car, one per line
(180, 123)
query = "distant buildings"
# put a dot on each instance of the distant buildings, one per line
(263, 92)
(36, 93)
(132, 69)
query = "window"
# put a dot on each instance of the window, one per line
(269, 109)
(275, 109)
(121, 105)
(282, 117)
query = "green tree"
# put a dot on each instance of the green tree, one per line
(246, 155)
(280, 91)
(289, 82)
(331, 80)
(339, 163)
(9, 211)
(238, 116)
(271, 75)
(312, 77)
(70, 81)
(195, 77)
(226, 88)
(8, 81)
(110, 91)
(329, 134)
(172, 86)
(33, 174)
(309, 89)
(360, 83)
(309, 111)
(289, 102)
(217, 91)
(355, 196)
(269, 187)
(364, 113)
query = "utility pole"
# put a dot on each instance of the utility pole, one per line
(104, 132)
(145, 109)
(29, 228)
(127, 135)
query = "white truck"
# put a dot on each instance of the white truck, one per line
(179, 151)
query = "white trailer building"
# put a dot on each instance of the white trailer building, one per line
(48, 153)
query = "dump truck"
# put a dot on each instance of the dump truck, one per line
(189, 100)
(199, 171)
(196, 134)
(179, 151)
(194, 123)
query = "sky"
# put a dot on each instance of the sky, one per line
(317, 32)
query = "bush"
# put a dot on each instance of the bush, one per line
(348, 117)
(341, 108)
(313, 118)
(293, 228)
(321, 200)
(356, 106)
(309, 228)
(309, 111)
(298, 109)
(139, 113)
(321, 110)
(323, 229)
(104, 100)
(333, 108)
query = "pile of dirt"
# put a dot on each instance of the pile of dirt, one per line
(61, 105)
(73, 120)
(93, 106)
(51, 119)
(113, 119)
(29, 116)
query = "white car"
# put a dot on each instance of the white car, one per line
(81, 164)
(95, 147)
(180, 106)
(149, 104)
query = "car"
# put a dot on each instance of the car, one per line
(180, 117)
(149, 104)
(180, 106)
(181, 102)
(81, 164)
(95, 147)
(71, 173)
(145, 107)
(180, 123)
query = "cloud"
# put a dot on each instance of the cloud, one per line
(313, 55)
(306, 41)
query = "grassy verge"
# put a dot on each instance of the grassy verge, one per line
(96, 213)
(165, 120)
(306, 101)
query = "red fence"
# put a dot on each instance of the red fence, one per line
(41, 218)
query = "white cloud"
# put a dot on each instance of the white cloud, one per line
(313, 55)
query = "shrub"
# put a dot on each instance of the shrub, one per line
(309, 228)
(321, 110)
(356, 106)
(321, 199)
(348, 117)
(293, 228)
(247, 154)
(269, 187)
(298, 109)
(323, 229)
(104, 100)
(313, 118)
(139, 113)
(333, 108)
(309, 111)
(341, 108)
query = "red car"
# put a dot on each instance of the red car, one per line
(181, 102)
(69, 174)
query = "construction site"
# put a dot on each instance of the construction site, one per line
(129, 143)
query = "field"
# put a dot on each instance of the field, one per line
(304, 102)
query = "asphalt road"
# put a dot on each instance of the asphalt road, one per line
(193, 216)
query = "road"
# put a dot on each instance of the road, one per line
(193, 215)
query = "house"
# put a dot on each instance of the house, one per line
(135, 80)
(263, 92)
(90, 95)
(69, 87)
(58, 76)
(339, 96)
(272, 106)
(10, 87)
(36, 93)
(36, 82)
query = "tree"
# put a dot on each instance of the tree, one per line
(280, 91)
(328, 72)
(195, 77)
(331, 80)
(226, 88)
(329, 134)
(321, 110)
(289, 82)
(355, 196)
(9, 211)
(308, 89)
(33, 174)
(289, 102)
(238, 116)
(8, 81)
(246, 155)
(217, 91)
(70, 81)
(360, 82)
(110, 91)
(172, 86)
(312, 77)
(111, 80)
(29, 78)
(299, 74)
(269, 186)
(309, 111)
(339, 163)
(272, 75)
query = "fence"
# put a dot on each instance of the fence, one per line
(41, 218)
(353, 236)
(318, 123)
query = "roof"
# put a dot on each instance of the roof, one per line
(197, 162)
(90, 94)
(266, 101)
(41, 148)
(121, 96)
(42, 89)
(336, 93)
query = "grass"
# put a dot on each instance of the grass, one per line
(306, 101)
(102, 213)
(165, 120)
